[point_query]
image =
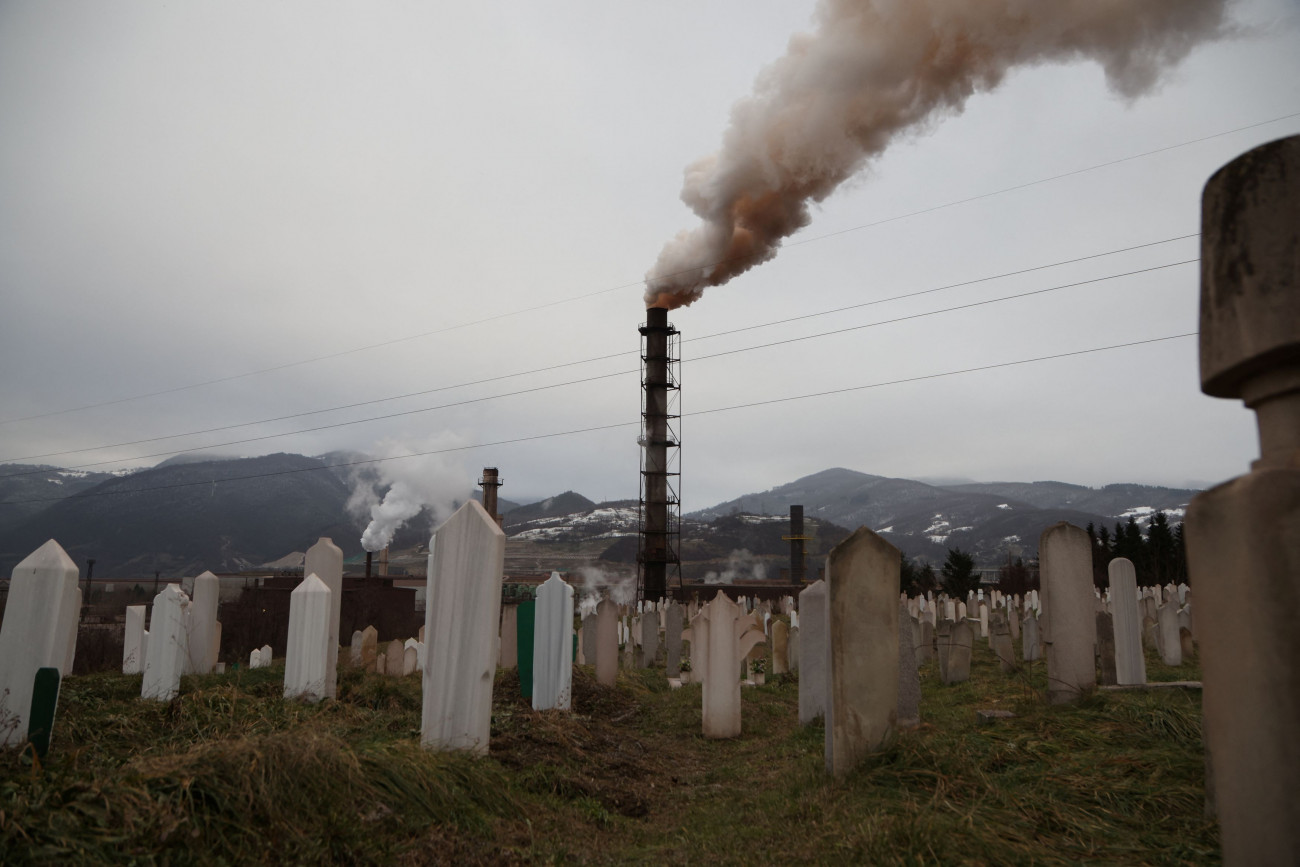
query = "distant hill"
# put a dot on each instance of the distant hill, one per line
(990, 520)
(187, 523)
(27, 489)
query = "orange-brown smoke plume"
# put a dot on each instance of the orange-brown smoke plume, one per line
(872, 69)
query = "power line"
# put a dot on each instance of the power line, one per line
(596, 428)
(505, 376)
(583, 297)
(606, 376)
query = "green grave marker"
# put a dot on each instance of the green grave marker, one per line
(524, 627)
(45, 698)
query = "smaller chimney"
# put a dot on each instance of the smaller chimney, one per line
(490, 482)
(383, 562)
(370, 557)
(798, 565)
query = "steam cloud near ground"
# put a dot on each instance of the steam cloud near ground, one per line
(872, 70)
(409, 484)
(741, 565)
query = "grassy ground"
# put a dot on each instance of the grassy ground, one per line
(229, 773)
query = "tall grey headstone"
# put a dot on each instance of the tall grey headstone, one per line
(1171, 644)
(166, 659)
(607, 643)
(812, 652)
(203, 637)
(553, 645)
(1065, 569)
(909, 679)
(306, 657)
(1000, 639)
(462, 611)
(1126, 620)
(40, 615)
(325, 561)
(133, 640)
(961, 644)
(862, 649)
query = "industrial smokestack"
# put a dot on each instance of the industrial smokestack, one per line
(798, 567)
(659, 528)
(370, 556)
(871, 71)
(490, 481)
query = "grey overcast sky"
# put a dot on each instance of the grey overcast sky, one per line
(195, 191)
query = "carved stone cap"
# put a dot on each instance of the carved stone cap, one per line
(1250, 268)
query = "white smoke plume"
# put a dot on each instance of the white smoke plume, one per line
(873, 69)
(740, 565)
(410, 484)
(598, 584)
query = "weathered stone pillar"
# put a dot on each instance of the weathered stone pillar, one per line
(1065, 558)
(606, 643)
(812, 652)
(1130, 664)
(1243, 537)
(862, 649)
(325, 561)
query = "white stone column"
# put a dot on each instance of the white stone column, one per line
(553, 645)
(463, 608)
(202, 644)
(39, 618)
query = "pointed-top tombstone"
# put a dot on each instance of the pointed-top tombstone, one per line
(325, 561)
(463, 609)
(306, 658)
(553, 645)
(1126, 619)
(40, 621)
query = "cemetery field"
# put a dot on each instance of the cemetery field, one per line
(229, 773)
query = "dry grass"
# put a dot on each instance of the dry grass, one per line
(229, 773)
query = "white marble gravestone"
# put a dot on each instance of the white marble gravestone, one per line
(462, 613)
(673, 638)
(721, 637)
(306, 658)
(553, 645)
(1171, 645)
(812, 652)
(168, 650)
(607, 625)
(1126, 617)
(40, 621)
(325, 561)
(1070, 630)
(133, 640)
(203, 637)
(354, 655)
(862, 649)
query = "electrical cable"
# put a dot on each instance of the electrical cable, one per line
(571, 299)
(837, 331)
(594, 359)
(759, 403)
